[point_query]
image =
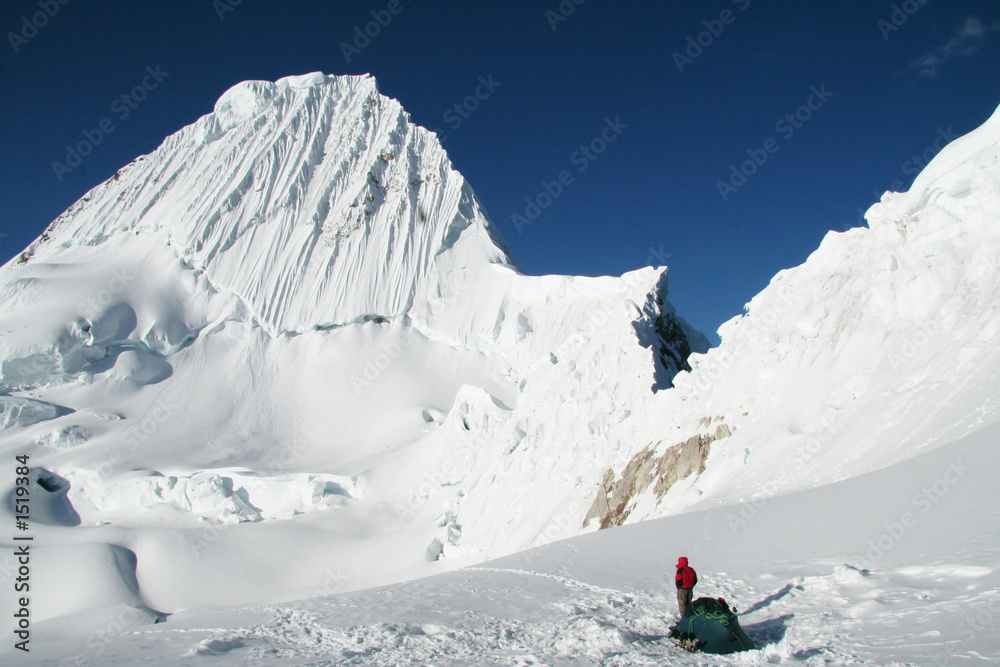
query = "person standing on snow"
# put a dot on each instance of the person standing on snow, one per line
(686, 580)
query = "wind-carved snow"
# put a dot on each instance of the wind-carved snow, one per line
(801, 579)
(296, 196)
(20, 412)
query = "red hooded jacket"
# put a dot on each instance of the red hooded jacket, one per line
(686, 576)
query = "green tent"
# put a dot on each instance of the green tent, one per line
(709, 625)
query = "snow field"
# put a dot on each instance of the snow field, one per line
(607, 598)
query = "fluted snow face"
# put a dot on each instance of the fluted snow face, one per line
(314, 199)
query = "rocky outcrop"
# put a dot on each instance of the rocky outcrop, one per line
(616, 499)
(671, 339)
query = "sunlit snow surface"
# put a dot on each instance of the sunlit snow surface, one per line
(809, 587)
(287, 357)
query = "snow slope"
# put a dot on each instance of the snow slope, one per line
(291, 335)
(808, 577)
(881, 346)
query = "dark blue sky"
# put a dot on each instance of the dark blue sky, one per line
(888, 92)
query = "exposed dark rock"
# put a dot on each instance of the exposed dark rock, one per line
(670, 338)
(615, 500)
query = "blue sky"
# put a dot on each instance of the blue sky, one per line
(835, 102)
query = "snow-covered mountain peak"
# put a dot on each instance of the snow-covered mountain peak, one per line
(881, 346)
(287, 355)
(293, 326)
(249, 98)
(290, 191)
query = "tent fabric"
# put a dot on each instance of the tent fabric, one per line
(715, 627)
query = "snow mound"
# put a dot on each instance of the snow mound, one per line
(242, 102)
(20, 412)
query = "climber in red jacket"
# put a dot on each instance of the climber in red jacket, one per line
(686, 580)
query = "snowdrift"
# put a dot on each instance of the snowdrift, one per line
(809, 586)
